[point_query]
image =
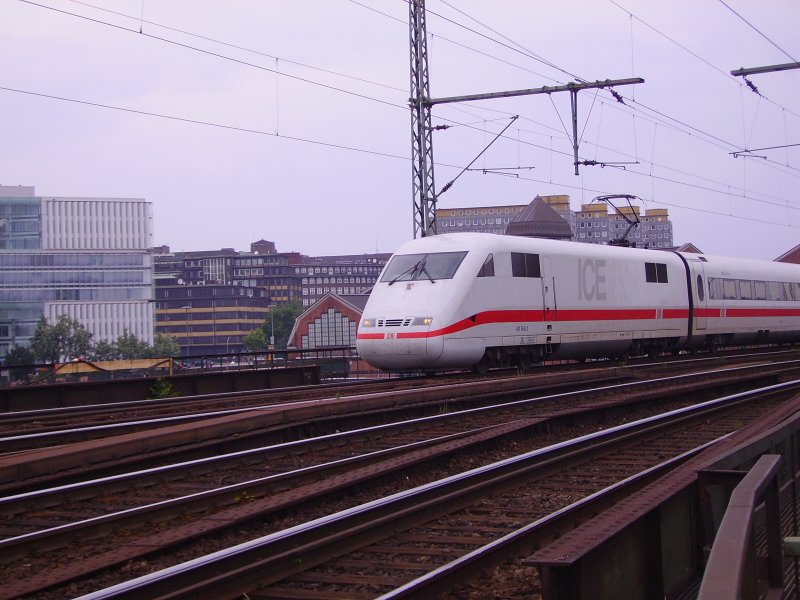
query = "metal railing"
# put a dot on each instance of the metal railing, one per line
(335, 362)
(734, 569)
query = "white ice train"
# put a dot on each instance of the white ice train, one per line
(480, 300)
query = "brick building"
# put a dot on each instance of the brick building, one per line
(792, 256)
(330, 322)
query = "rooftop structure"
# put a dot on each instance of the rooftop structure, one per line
(540, 219)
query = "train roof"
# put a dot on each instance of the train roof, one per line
(489, 242)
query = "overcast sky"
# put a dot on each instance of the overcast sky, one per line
(289, 120)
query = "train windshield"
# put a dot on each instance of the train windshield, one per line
(432, 266)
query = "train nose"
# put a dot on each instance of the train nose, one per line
(398, 343)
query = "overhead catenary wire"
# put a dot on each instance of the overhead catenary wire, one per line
(153, 114)
(514, 48)
(525, 51)
(364, 96)
(240, 47)
(661, 116)
(214, 54)
(754, 28)
(724, 73)
(531, 55)
(312, 141)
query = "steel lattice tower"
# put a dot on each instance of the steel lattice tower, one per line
(421, 130)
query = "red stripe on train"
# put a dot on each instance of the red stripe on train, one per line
(538, 316)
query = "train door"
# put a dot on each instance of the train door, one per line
(700, 295)
(549, 305)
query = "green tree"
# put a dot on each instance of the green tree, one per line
(129, 346)
(164, 345)
(104, 350)
(65, 340)
(255, 340)
(17, 359)
(44, 344)
(20, 356)
(283, 317)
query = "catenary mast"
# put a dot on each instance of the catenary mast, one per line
(421, 131)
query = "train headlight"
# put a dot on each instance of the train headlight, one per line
(422, 321)
(368, 323)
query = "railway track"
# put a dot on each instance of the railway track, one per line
(241, 431)
(270, 424)
(60, 424)
(193, 489)
(30, 430)
(409, 543)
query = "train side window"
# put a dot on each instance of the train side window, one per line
(761, 290)
(701, 293)
(487, 270)
(655, 273)
(650, 272)
(525, 265)
(745, 289)
(729, 291)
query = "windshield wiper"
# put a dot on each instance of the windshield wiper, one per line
(428, 275)
(412, 269)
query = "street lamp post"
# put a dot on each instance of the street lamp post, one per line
(272, 327)
(187, 322)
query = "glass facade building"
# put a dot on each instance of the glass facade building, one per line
(83, 257)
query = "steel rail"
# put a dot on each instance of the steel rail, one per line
(207, 497)
(177, 400)
(170, 420)
(449, 574)
(7, 417)
(514, 383)
(168, 507)
(239, 568)
(33, 496)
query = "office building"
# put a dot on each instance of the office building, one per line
(209, 300)
(82, 257)
(595, 224)
(209, 319)
(345, 275)
(482, 219)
